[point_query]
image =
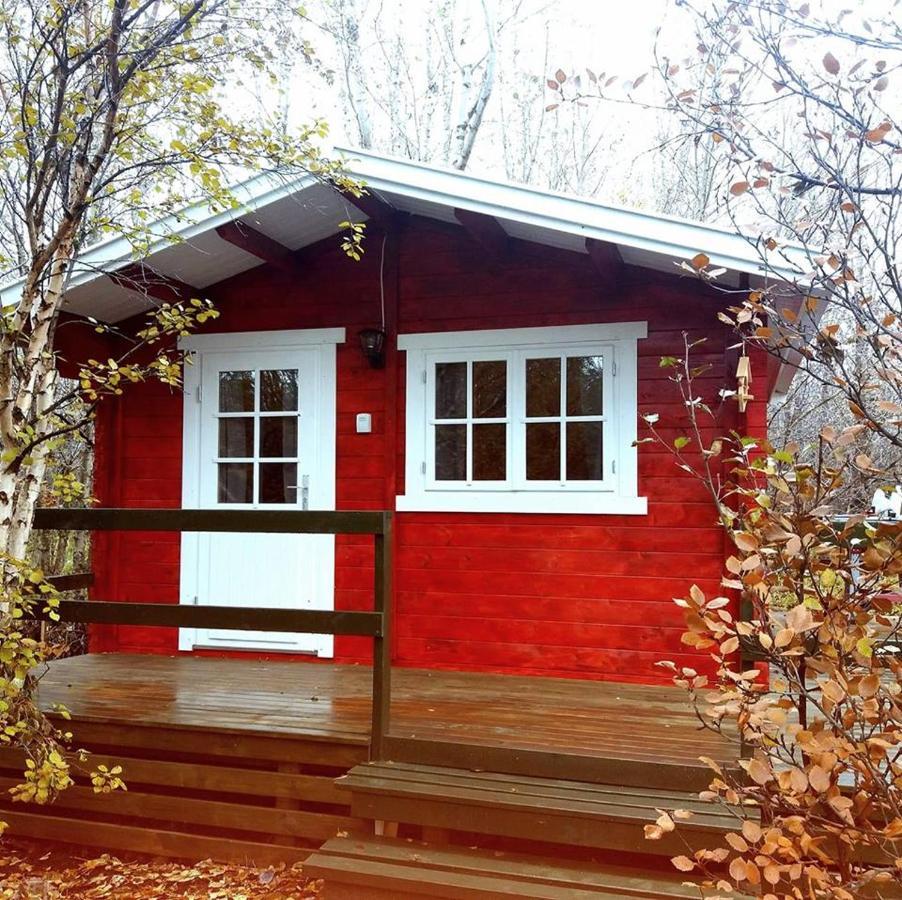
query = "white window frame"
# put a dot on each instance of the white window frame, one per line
(616, 494)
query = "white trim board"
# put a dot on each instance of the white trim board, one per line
(536, 337)
(262, 340)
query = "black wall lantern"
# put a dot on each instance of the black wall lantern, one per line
(372, 343)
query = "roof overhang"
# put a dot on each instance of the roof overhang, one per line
(296, 213)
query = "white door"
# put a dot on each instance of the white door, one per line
(260, 434)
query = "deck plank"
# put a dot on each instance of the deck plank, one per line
(331, 702)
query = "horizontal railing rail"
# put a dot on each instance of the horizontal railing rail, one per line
(375, 624)
(259, 521)
(234, 618)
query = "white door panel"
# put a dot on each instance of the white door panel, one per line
(260, 435)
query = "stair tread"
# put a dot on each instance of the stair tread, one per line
(459, 872)
(551, 796)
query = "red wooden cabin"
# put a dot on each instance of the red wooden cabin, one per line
(522, 333)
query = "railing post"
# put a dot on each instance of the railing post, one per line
(382, 595)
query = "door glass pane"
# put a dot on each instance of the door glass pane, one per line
(451, 390)
(543, 387)
(490, 389)
(489, 452)
(278, 390)
(450, 452)
(236, 436)
(236, 391)
(278, 436)
(543, 451)
(584, 451)
(235, 482)
(584, 385)
(278, 482)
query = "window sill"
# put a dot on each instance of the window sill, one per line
(534, 502)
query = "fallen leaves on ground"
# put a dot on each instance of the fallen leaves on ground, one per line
(37, 871)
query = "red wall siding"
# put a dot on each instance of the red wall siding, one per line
(584, 596)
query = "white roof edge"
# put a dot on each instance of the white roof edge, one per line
(666, 235)
(657, 233)
(115, 253)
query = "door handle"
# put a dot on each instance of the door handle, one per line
(305, 490)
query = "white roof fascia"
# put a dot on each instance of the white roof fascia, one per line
(665, 235)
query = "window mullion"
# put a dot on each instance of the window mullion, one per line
(469, 422)
(517, 411)
(255, 471)
(563, 420)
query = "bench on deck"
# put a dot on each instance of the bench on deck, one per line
(582, 814)
(372, 868)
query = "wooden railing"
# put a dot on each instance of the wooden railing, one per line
(375, 624)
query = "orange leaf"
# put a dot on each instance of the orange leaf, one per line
(818, 779)
(740, 187)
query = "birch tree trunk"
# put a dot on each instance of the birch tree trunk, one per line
(477, 79)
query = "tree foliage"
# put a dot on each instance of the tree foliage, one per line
(818, 720)
(115, 114)
(803, 123)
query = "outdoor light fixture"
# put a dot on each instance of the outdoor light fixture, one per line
(372, 343)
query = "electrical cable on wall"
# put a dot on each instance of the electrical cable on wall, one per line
(382, 279)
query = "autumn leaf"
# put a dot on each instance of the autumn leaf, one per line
(700, 261)
(683, 863)
(737, 870)
(759, 771)
(739, 187)
(819, 779)
(831, 64)
(876, 135)
(737, 842)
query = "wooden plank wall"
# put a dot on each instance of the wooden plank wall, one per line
(573, 595)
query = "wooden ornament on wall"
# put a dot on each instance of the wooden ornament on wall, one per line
(743, 382)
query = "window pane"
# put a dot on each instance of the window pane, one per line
(489, 452)
(451, 390)
(584, 451)
(584, 385)
(490, 389)
(450, 452)
(543, 388)
(278, 390)
(236, 436)
(278, 436)
(236, 483)
(278, 482)
(236, 391)
(543, 451)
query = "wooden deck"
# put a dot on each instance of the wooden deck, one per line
(331, 703)
(238, 759)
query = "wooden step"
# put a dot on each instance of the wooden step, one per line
(371, 868)
(225, 795)
(203, 777)
(212, 814)
(580, 814)
(154, 841)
